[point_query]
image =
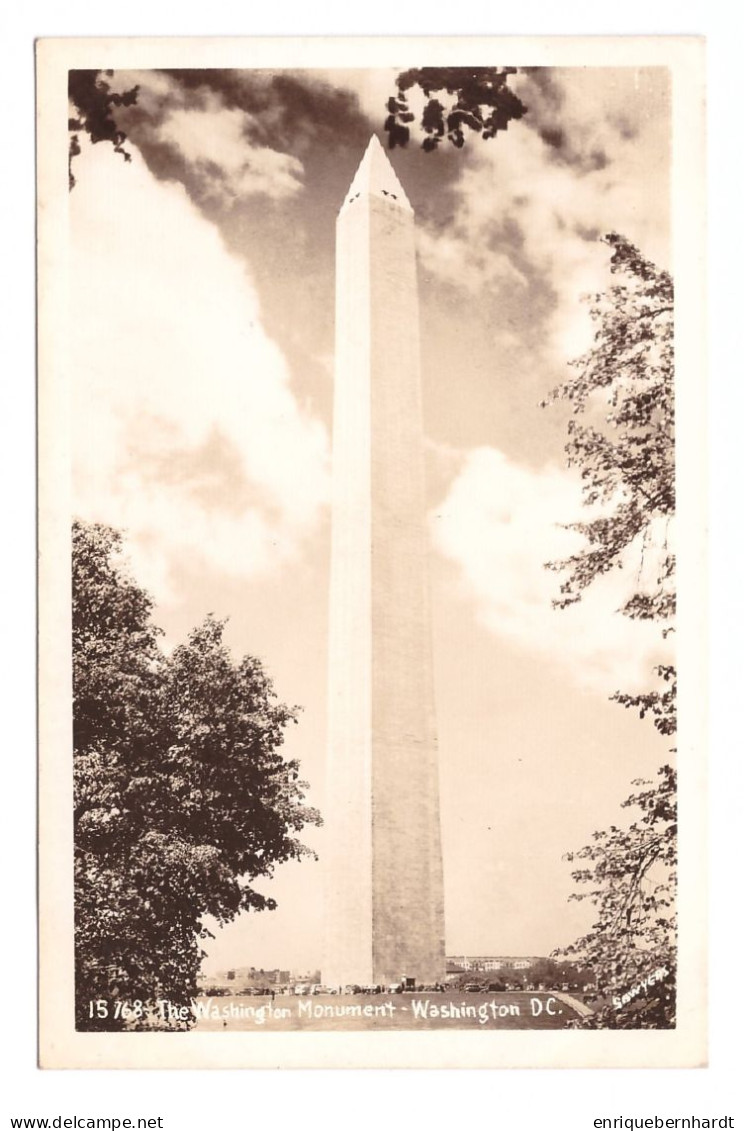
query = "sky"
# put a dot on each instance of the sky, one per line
(202, 286)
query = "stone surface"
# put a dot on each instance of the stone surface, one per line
(384, 910)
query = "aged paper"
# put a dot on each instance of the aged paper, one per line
(234, 383)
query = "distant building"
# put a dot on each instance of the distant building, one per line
(311, 977)
(457, 964)
(244, 978)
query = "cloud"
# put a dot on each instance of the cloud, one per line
(371, 88)
(221, 151)
(215, 143)
(229, 135)
(499, 523)
(295, 110)
(590, 157)
(473, 264)
(186, 430)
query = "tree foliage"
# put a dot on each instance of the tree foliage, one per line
(477, 99)
(182, 798)
(631, 875)
(553, 974)
(621, 437)
(92, 98)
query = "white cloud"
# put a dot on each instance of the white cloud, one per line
(372, 86)
(500, 523)
(468, 261)
(519, 208)
(216, 142)
(186, 430)
(224, 148)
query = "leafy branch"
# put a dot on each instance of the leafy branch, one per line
(93, 99)
(477, 99)
(623, 388)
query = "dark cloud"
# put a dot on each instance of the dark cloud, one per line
(566, 150)
(164, 160)
(544, 81)
(541, 88)
(553, 136)
(598, 159)
(292, 113)
(293, 109)
(623, 125)
(587, 232)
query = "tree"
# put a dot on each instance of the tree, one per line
(552, 974)
(182, 799)
(631, 947)
(93, 99)
(477, 99)
(623, 389)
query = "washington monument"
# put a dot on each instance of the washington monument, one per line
(384, 895)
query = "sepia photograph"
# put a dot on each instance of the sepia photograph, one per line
(369, 471)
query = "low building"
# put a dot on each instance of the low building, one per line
(486, 964)
(243, 979)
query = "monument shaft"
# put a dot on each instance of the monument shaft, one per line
(385, 895)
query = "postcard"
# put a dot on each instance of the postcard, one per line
(372, 552)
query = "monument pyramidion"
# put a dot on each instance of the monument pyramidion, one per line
(384, 909)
